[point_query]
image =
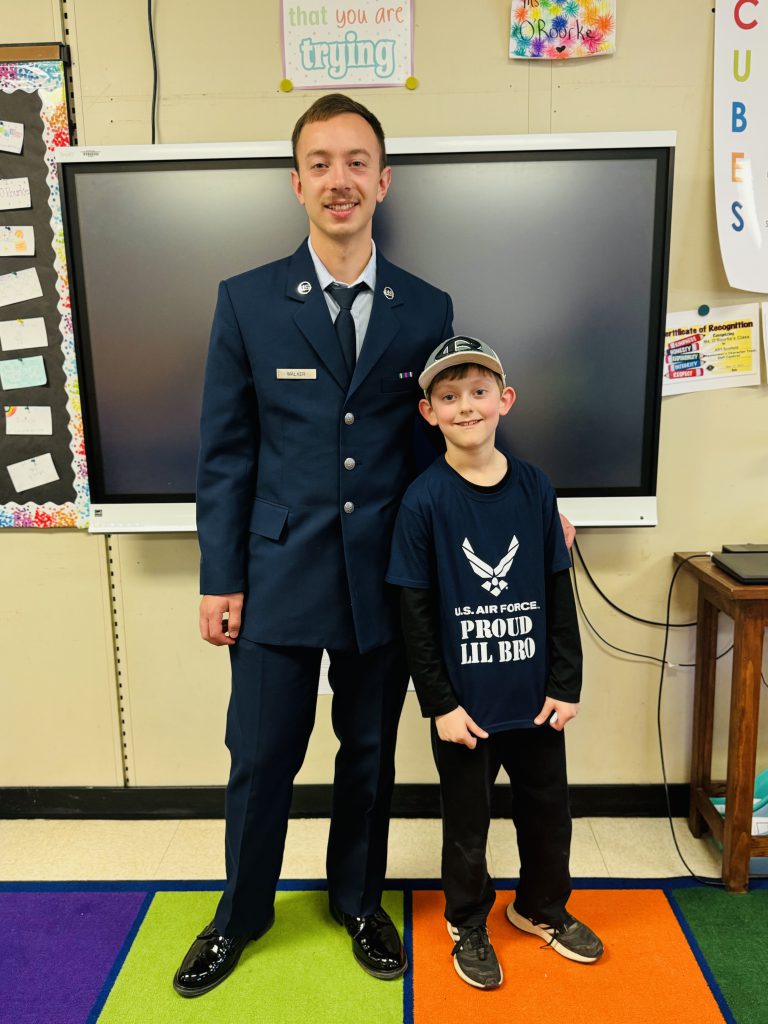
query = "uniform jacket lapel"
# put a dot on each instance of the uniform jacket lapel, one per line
(384, 323)
(311, 316)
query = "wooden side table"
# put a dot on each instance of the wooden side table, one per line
(748, 607)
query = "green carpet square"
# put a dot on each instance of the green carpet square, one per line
(301, 971)
(732, 932)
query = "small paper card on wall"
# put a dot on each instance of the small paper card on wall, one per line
(719, 350)
(350, 44)
(19, 334)
(22, 373)
(25, 284)
(11, 136)
(16, 240)
(562, 29)
(33, 472)
(14, 194)
(28, 419)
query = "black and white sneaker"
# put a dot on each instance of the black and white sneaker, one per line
(571, 939)
(474, 957)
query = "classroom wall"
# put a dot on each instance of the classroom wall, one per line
(102, 673)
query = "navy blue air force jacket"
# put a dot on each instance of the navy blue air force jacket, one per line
(273, 482)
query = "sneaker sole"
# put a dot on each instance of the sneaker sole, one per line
(190, 993)
(483, 988)
(527, 926)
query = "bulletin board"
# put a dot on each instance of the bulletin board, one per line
(43, 481)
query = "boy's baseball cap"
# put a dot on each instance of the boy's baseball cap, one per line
(456, 351)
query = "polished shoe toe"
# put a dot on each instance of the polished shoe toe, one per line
(376, 944)
(210, 959)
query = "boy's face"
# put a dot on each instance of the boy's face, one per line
(467, 410)
(339, 180)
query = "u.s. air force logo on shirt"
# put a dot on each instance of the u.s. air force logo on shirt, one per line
(492, 576)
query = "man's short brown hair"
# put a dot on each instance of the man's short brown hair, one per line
(332, 106)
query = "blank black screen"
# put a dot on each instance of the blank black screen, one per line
(557, 260)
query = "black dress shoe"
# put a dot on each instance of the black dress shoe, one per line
(376, 944)
(211, 958)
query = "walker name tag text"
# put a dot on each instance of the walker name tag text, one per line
(290, 374)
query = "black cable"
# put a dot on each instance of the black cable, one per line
(601, 638)
(629, 615)
(622, 650)
(154, 67)
(692, 664)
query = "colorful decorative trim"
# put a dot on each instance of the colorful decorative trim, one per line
(47, 78)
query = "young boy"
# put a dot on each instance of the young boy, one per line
(494, 651)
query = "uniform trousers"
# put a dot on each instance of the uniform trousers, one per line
(535, 762)
(269, 722)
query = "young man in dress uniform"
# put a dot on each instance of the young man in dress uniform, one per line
(308, 410)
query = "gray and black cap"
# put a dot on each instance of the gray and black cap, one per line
(456, 351)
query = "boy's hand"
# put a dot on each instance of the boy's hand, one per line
(458, 727)
(565, 712)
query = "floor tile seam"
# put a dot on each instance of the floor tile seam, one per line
(673, 866)
(157, 872)
(599, 847)
(24, 867)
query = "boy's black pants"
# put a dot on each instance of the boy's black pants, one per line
(535, 761)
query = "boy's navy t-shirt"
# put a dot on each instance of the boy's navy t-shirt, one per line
(487, 555)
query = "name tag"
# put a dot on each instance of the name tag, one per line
(291, 374)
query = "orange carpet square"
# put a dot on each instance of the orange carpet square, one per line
(647, 975)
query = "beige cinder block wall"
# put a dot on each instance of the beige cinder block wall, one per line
(219, 72)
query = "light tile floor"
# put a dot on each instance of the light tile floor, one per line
(71, 850)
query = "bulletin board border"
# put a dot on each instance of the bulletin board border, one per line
(47, 78)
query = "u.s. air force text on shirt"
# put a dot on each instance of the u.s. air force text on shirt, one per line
(488, 555)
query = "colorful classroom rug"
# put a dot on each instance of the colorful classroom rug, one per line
(105, 953)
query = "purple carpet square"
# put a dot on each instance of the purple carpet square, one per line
(60, 948)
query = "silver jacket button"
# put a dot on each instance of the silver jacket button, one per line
(349, 418)
(349, 463)
(349, 506)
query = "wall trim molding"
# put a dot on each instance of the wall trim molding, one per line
(410, 800)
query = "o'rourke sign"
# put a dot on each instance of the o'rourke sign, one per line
(741, 140)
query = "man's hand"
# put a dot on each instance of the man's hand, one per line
(562, 710)
(458, 727)
(213, 628)
(569, 531)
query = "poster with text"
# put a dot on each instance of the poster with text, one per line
(551, 30)
(719, 350)
(344, 45)
(740, 110)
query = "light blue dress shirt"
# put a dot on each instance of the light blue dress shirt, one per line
(363, 304)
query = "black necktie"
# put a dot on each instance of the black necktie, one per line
(344, 324)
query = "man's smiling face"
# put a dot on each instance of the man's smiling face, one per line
(340, 179)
